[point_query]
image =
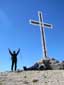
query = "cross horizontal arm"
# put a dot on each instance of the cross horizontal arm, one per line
(48, 25)
(34, 22)
(38, 23)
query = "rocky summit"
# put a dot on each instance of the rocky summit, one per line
(46, 64)
(48, 77)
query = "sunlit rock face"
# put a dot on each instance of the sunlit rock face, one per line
(48, 77)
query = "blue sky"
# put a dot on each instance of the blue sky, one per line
(16, 32)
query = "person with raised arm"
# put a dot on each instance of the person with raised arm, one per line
(14, 58)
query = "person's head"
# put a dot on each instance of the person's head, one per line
(14, 52)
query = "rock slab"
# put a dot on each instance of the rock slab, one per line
(49, 77)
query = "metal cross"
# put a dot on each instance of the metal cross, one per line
(42, 25)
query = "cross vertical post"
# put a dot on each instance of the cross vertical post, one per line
(43, 41)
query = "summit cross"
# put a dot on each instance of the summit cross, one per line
(42, 25)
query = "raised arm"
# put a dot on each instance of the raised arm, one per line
(18, 51)
(10, 51)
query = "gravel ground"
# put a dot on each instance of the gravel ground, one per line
(49, 77)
